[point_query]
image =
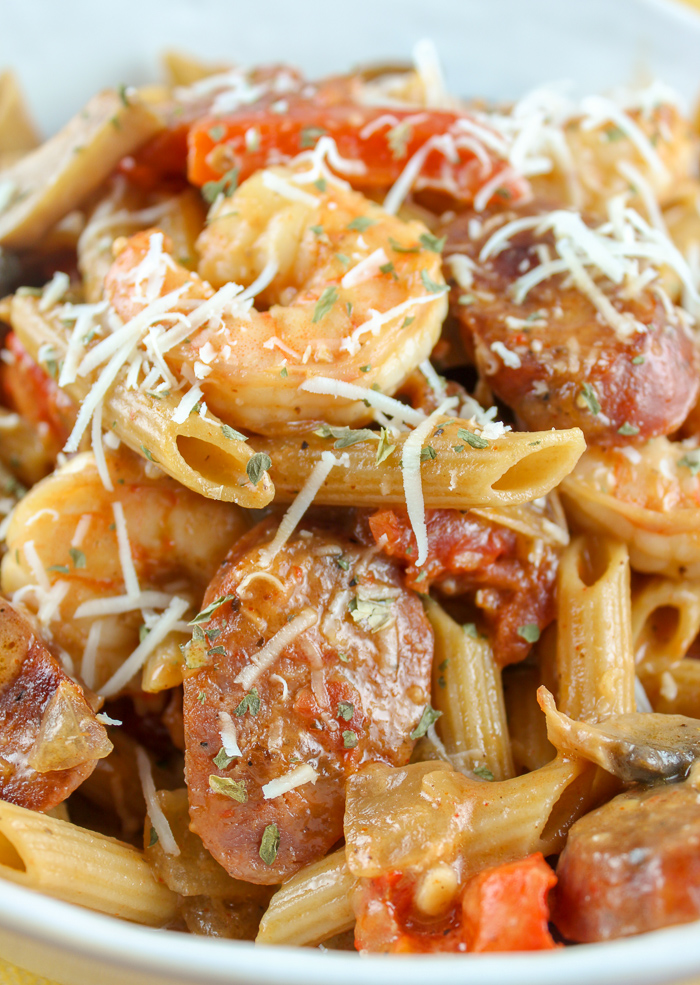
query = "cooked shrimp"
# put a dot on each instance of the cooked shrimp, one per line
(50, 740)
(647, 497)
(564, 347)
(63, 552)
(42, 407)
(313, 666)
(357, 294)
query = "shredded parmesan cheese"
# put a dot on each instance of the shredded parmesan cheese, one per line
(187, 404)
(295, 778)
(276, 183)
(366, 269)
(165, 623)
(229, 739)
(299, 506)
(413, 488)
(265, 657)
(350, 391)
(158, 818)
(98, 449)
(131, 582)
(54, 290)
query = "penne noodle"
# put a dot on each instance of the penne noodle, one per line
(672, 688)
(312, 906)
(18, 134)
(392, 820)
(46, 854)
(514, 469)
(54, 179)
(665, 619)
(530, 746)
(197, 452)
(467, 690)
(183, 69)
(595, 661)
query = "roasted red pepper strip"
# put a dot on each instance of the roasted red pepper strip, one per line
(501, 909)
(383, 140)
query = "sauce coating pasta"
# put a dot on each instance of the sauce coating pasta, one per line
(349, 458)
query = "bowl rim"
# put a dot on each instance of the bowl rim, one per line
(39, 919)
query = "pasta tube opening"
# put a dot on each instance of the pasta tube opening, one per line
(529, 470)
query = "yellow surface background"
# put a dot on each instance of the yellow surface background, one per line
(12, 975)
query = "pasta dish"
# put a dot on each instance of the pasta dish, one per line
(350, 467)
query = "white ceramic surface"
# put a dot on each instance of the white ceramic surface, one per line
(66, 49)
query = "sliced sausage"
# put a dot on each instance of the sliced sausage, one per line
(321, 660)
(631, 866)
(45, 721)
(569, 367)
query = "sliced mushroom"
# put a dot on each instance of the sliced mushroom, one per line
(637, 748)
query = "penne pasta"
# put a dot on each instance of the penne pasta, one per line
(196, 452)
(54, 179)
(467, 691)
(183, 69)
(595, 661)
(514, 469)
(312, 906)
(673, 688)
(44, 853)
(18, 134)
(665, 619)
(393, 822)
(531, 749)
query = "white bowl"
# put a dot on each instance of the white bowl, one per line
(63, 53)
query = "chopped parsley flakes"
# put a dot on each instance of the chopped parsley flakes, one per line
(428, 718)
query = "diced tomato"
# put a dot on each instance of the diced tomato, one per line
(382, 139)
(502, 909)
(505, 908)
(466, 554)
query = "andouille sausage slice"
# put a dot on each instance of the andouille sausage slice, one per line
(319, 662)
(568, 367)
(50, 740)
(631, 866)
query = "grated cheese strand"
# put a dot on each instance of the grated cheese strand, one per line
(187, 404)
(88, 665)
(98, 449)
(54, 290)
(131, 582)
(295, 778)
(172, 615)
(298, 507)
(265, 658)
(366, 269)
(37, 568)
(118, 604)
(229, 739)
(413, 488)
(351, 391)
(155, 813)
(284, 188)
